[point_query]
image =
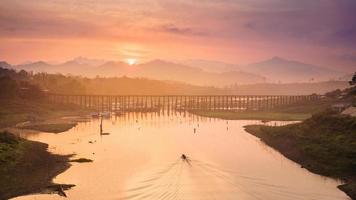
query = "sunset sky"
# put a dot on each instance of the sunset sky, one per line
(321, 32)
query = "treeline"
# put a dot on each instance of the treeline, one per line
(41, 83)
(18, 85)
(289, 88)
(58, 83)
(31, 85)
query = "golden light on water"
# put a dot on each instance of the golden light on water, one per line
(131, 61)
(148, 146)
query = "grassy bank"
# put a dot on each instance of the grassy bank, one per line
(294, 112)
(230, 115)
(49, 127)
(16, 111)
(324, 144)
(26, 166)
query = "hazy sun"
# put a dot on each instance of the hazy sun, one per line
(131, 61)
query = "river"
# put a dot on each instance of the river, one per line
(140, 159)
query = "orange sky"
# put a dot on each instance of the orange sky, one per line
(239, 31)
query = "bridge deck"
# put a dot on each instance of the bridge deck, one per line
(180, 102)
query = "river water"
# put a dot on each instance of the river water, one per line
(140, 159)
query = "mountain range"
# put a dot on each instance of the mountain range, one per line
(276, 70)
(197, 72)
(282, 70)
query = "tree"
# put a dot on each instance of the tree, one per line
(8, 87)
(353, 80)
(30, 91)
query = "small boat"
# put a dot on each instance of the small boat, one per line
(95, 114)
(185, 159)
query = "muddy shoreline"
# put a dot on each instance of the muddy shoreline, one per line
(36, 167)
(257, 115)
(32, 172)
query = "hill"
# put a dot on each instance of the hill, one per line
(288, 71)
(196, 72)
(156, 69)
(163, 70)
(211, 65)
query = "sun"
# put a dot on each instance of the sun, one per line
(131, 61)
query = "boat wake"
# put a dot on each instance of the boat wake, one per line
(195, 179)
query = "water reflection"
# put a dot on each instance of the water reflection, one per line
(141, 159)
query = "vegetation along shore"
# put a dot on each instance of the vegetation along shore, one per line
(324, 144)
(27, 167)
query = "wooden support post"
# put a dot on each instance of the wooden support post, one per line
(102, 103)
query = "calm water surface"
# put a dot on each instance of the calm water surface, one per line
(140, 159)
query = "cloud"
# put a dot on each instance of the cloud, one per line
(330, 24)
(347, 57)
(345, 36)
(228, 27)
(135, 53)
(173, 29)
(321, 22)
(43, 25)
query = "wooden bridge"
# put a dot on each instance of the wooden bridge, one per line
(180, 102)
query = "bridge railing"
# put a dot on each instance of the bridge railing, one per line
(236, 103)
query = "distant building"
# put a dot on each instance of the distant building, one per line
(350, 111)
(339, 107)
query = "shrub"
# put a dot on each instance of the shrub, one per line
(8, 138)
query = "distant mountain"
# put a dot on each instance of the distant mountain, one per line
(197, 72)
(210, 65)
(5, 65)
(38, 66)
(126, 85)
(80, 66)
(156, 69)
(287, 71)
(119, 68)
(275, 69)
(163, 70)
(88, 61)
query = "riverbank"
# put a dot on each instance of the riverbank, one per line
(324, 144)
(294, 112)
(39, 115)
(268, 116)
(27, 167)
(56, 125)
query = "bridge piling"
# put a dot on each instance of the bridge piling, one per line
(234, 103)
